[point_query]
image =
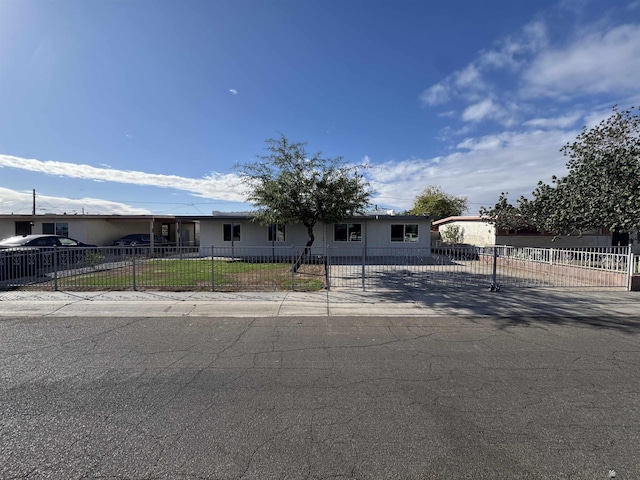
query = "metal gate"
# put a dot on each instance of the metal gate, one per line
(490, 267)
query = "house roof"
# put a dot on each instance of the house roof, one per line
(375, 215)
(381, 214)
(468, 218)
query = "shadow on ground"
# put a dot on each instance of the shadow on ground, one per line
(607, 309)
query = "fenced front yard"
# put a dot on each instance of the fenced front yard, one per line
(274, 268)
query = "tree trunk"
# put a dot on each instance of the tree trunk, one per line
(307, 249)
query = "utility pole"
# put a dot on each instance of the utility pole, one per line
(33, 211)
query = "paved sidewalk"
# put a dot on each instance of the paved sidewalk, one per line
(449, 302)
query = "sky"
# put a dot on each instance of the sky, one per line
(149, 106)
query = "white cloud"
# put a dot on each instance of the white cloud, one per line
(233, 91)
(467, 77)
(479, 111)
(435, 95)
(512, 51)
(507, 83)
(479, 169)
(604, 61)
(213, 186)
(448, 133)
(469, 81)
(22, 202)
(565, 121)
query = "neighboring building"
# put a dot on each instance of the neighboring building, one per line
(473, 230)
(103, 229)
(478, 231)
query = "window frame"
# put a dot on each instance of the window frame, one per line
(350, 229)
(277, 228)
(56, 228)
(231, 232)
(413, 230)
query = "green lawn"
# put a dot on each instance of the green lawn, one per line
(197, 274)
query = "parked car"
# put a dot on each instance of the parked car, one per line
(139, 239)
(28, 255)
(43, 240)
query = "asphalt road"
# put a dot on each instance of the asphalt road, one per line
(319, 398)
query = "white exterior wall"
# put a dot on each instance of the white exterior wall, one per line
(252, 234)
(209, 231)
(474, 232)
(482, 234)
(376, 233)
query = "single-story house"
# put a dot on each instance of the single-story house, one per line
(476, 230)
(378, 229)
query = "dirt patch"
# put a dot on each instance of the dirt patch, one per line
(308, 277)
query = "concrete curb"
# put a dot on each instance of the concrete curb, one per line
(334, 303)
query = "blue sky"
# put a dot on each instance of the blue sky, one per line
(145, 106)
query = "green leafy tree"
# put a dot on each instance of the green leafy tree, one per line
(452, 234)
(290, 186)
(506, 216)
(433, 201)
(600, 190)
(602, 187)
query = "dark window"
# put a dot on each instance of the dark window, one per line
(61, 229)
(397, 233)
(23, 228)
(43, 242)
(277, 233)
(228, 228)
(347, 232)
(404, 233)
(340, 232)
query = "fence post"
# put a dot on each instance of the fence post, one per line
(133, 269)
(213, 277)
(630, 266)
(327, 266)
(293, 266)
(363, 268)
(55, 267)
(494, 282)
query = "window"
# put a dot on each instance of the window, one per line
(404, 233)
(43, 242)
(276, 233)
(23, 228)
(68, 242)
(56, 229)
(228, 228)
(348, 232)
